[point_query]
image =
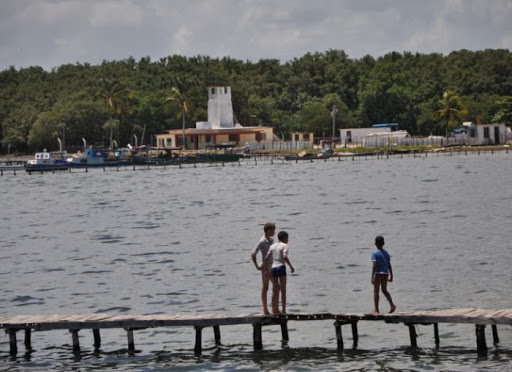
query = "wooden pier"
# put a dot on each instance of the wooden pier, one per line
(130, 323)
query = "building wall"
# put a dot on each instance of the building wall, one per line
(486, 134)
(220, 108)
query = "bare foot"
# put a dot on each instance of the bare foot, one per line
(392, 310)
(374, 312)
(266, 313)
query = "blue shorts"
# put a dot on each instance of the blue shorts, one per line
(278, 271)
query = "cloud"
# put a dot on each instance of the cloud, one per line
(54, 32)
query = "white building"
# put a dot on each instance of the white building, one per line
(220, 109)
(220, 129)
(486, 134)
(375, 136)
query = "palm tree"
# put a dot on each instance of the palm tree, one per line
(451, 110)
(181, 99)
(116, 97)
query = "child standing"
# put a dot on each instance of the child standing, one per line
(381, 274)
(263, 246)
(279, 254)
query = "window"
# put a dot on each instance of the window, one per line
(296, 136)
(232, 138)
(213, 90)
(486, 132)
(169, 142)
(208, 138)
(306, 136)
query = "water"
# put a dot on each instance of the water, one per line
(178, 241)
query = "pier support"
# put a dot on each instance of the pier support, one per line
(13, 345)
(216, 334)
(256, 335)
(481, 345)
(339, 335)
(495, 337)
(131, 343)
(355, 334)
(28, 339)
(413, 335)
(76, 342)
(198, 346)
(97, 338)
(436, 334)
(284, 330)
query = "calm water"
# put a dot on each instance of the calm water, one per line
(178, 241)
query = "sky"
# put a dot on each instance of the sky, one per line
(50, 33)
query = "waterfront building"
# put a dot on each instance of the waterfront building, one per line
(219, 130)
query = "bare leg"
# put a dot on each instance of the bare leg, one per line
(265, 277)
(275, 295)
(388, 296)
(282, 283)
(376, 287)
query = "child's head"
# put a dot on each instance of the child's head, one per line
(269, 226)
(283, 236)
(379, 241)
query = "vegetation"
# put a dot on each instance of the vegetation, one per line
(120, 100)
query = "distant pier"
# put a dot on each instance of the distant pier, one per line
(258, 159)
(480, 318)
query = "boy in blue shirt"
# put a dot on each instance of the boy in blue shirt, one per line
(381, 274)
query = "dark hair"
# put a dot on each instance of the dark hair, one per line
(379, 240)
(282, 235)
(269, 226)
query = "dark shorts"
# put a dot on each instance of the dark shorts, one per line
(278, 271)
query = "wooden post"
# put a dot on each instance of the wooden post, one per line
(13, 346)
(355, 334)
(495, 337)
(481, 345)
(216, 333)
(198, 348)
(97, 338)
(131, 343)
(76, 342)
(412, 335)
(256, 335)
(436, 334)
(339, 335)
(28, 338)
(284, 330)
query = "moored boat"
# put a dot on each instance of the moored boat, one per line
(97, 158)
(45, 161)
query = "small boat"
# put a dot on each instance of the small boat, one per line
(98, 158)
(45, 161)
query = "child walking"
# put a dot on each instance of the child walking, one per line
(279, 254)
(381, 274)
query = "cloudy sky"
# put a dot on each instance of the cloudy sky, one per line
(50, 33)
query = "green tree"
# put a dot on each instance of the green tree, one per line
(116, 97)
(504, 114)
(451, 109)
(179, 97)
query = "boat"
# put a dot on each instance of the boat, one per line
(98, 158)
(45, 161)
(303, 155)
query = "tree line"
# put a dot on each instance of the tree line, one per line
(129, 101)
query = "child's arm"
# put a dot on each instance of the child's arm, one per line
(287, 260)
(253, 256)
(374, 267)
(390, 279)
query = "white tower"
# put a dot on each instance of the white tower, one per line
(220, 109)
